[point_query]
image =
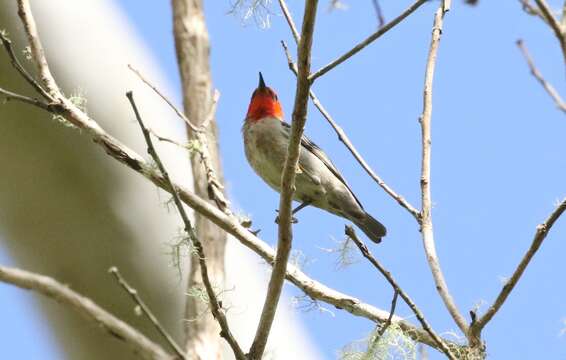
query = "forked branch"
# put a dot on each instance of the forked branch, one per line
(398, 290)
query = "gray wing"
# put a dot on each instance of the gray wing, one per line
(313, 148)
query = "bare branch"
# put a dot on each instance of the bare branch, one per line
(285, 233)
(350, 146)
(8, 95)
(165, 98)
(540, 234)
(384, 326)
(25, 14)
(376, 35)
(367, 254)
(86, 307)
(536, 73)
(146, 310)
(552, 21)
(214, 303)
(426, 216)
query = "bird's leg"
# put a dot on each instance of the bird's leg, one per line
(295, 210)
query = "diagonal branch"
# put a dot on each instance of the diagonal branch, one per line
(376, 35)
(49, 287)
(285, 233)
(540, 234)
(8, 95)
(18, 66)
(426, 216)
(214, 303)
(552, 21)
(536, 73)
(146, 310)
(350, 146)
(367, 254)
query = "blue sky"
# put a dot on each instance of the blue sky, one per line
(497, 157)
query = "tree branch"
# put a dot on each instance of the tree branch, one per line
(8, 95)
(86, 307)
(350, 146)
(285, 233)
(289, 18)
(540, 234)
(164, 98)
(376, 35)
(146, 310)
(554, 24)
(214, 303)
(545, 84)
(367, 254)
(426, 216)
(25, 14)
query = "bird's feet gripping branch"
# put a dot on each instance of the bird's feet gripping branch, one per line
(318, 182)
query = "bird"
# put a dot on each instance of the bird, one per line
(318, 182)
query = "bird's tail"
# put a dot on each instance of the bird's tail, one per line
(371, 227)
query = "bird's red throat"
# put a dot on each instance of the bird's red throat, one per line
(264, 105)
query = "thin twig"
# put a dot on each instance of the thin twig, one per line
(168, 140)
(376, 35)
(387, 324)
(285, 233)
(146, 310)
(18, 66)
(25, 14)
(289, 18)
(8, 95)
(87, 308)
(367, 254)
(214, 303)
(350, 146)
(540, 234)
(426, 216)
(214, 186)
(379, 14)
(165, 98)
(536, 73)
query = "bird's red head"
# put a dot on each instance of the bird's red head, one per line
(264, 103)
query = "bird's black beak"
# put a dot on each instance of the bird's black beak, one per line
(261, 82)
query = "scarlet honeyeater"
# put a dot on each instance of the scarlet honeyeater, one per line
(317, 182)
